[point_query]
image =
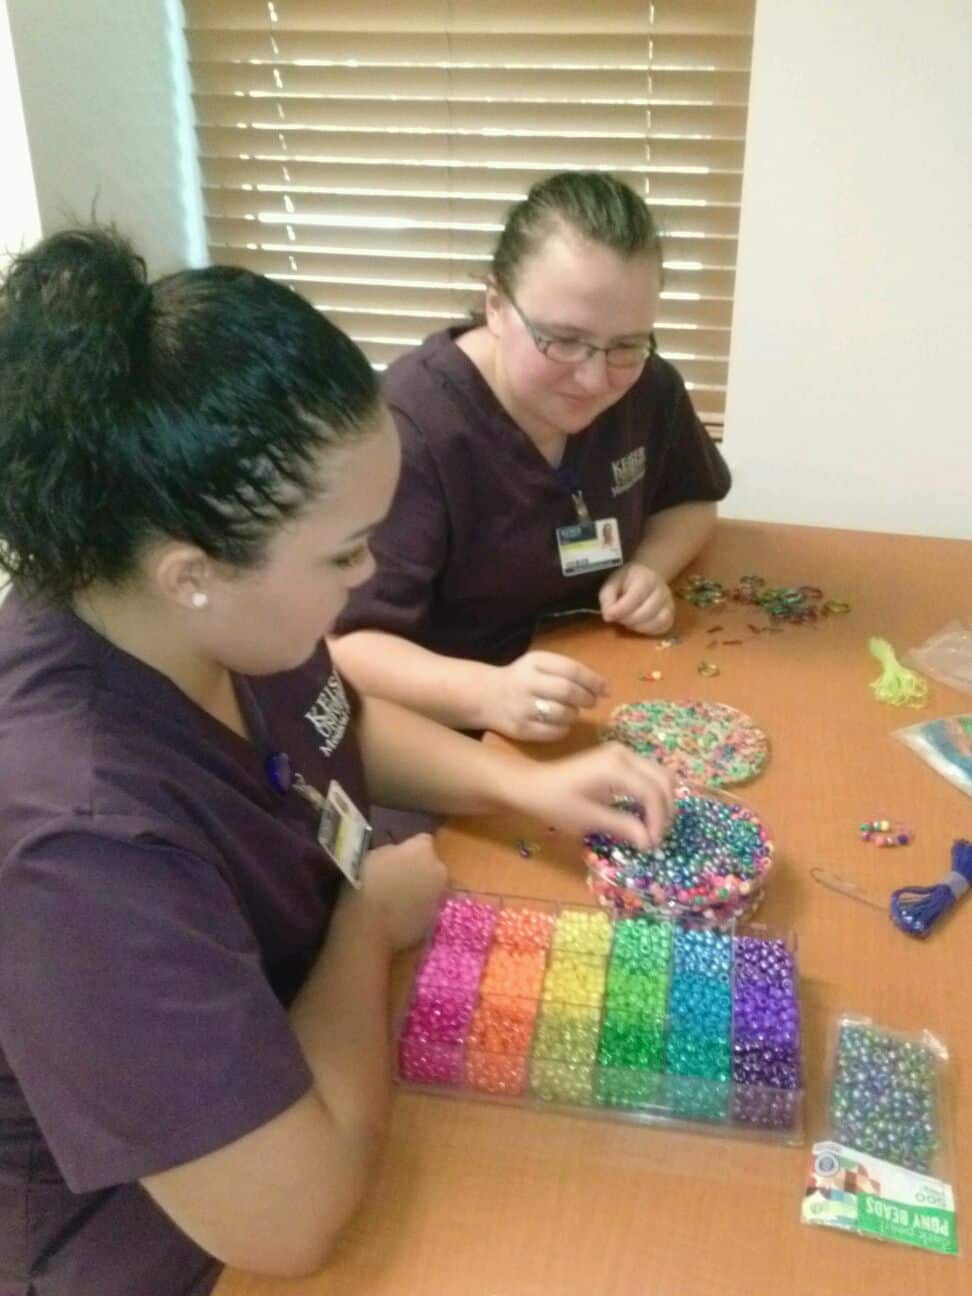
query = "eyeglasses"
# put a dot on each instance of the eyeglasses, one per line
(571, 351)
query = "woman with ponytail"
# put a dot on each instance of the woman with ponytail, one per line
(194, 1054)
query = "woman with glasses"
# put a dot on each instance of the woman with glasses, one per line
(552, 461)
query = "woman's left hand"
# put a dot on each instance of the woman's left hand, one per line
(637, 598)
(578, 793)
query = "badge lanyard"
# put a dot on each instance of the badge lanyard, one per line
(567, 475)
(342, 830)
(588, 545)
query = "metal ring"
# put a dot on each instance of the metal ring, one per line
(542, 708)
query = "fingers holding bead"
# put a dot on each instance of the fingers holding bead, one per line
(646, 782)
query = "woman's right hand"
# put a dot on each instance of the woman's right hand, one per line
(401, 884)
(538, 697)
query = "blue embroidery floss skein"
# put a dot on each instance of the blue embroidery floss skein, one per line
(916, 910)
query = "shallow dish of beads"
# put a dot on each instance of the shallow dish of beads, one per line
(637, 1018)
(710, 868)
(701, 742)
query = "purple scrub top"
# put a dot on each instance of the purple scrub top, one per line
(467, 559)
(160, 906)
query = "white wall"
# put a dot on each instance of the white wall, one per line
(849, 381)
(19, 217)
(105, 93)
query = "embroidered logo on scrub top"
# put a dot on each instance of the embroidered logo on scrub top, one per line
(330, 714)
(627, 470)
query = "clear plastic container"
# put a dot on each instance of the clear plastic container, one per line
(629, 881)
(635, 1018)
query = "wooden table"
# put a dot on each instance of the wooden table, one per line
(474, 1199)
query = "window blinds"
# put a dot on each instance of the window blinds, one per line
(368, 156)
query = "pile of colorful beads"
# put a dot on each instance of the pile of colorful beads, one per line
(634, 1015)
(703, 592)
(785, 603)
(702, 742)
(709, 868)
(884, 832)
(795, 604)
(883, 1100)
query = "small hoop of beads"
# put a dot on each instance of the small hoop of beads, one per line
(886, 832)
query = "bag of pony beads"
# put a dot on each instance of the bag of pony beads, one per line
(883, 1171)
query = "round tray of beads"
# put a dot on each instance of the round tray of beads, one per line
(633, 1017)
(708, 743)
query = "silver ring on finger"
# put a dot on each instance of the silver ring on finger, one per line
(542, 709)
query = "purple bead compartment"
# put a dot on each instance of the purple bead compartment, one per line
(441, 1040)
(766, 1032)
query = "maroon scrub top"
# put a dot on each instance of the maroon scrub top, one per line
(467, 558)
(160, 905)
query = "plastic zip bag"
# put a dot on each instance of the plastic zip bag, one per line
(947, 656)
(945, 745)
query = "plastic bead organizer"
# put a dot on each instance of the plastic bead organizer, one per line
(534, 1003)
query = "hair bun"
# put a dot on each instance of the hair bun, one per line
(73, 303)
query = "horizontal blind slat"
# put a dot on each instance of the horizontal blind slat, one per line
(495, 84)
(538, 152)
(695, 17)
(676, 317)
(475, 118)
(495, 50)
(507, 185)
(680, 252)
(315, 212)
(464, 274)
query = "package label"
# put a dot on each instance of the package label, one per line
(851, 1190)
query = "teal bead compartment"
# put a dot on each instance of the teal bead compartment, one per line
(635, 1016)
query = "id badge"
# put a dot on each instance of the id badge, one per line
(589, 547)
(344, 832)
